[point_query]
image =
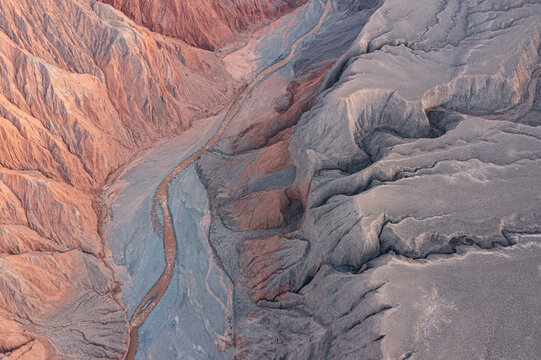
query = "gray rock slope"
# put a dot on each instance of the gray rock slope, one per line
(418, 172)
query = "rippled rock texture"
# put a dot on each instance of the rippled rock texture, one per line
(375, 198)
(195, 317)
(208, 24)
(400, 216)
(82, 89)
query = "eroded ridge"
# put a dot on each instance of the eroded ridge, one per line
(80, 94)
(423, 142)
(151, 299)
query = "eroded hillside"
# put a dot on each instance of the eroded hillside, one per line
(376, 196)
(82, 90)
(208, 24)
(424, 140)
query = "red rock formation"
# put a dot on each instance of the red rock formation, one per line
(267, 208)
(208, 24)
(82, 89)
(260, 261)
(302, 93)
(259, 210)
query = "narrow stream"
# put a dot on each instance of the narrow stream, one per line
(154, 295)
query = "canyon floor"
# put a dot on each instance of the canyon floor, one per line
(339, 179)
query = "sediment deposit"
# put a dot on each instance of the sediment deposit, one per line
(357, 179)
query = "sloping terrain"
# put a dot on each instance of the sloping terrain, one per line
(82, 90)
(424, 140)
(374, 197)
(208, 24)
(194, 316)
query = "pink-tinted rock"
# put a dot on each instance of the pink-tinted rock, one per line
(208, 24)
(82, 89)
(259, 210)
(259, 261)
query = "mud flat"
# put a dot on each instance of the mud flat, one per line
(139, 252)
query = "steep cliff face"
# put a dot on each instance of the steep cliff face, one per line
(82, 88)
(208, 24)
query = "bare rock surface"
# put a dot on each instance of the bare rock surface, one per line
(378, 197)
(208, 24)
(423, 140)
(196, 317)
(479, 304)
(63, 306)
(82, 89)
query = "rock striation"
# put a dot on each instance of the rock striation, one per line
(375, 198)
(82, 89)
(423, 140)
(201, 290)
(208, 24)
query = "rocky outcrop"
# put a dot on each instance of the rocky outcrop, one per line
(82, 88)
(391, 168)
(61, 303)
(424, 140)
(196, 317)
(208, 24)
